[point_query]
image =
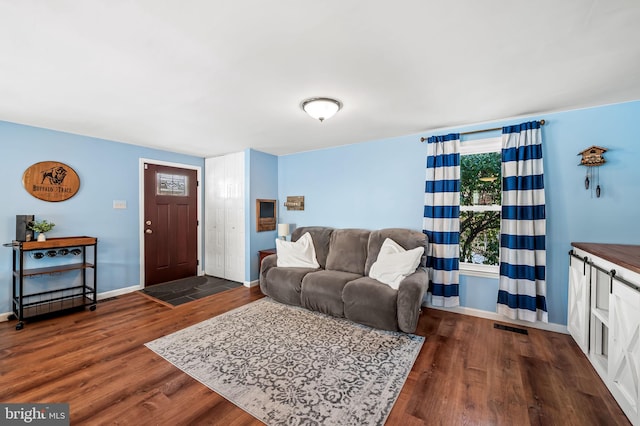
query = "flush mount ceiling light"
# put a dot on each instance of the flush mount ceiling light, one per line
(321, 108)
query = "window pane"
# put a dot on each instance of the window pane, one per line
(480, 198)
(172, 185)
(480, 237)
(480, 179)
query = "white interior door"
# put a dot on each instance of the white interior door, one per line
(215, 217)
(224, 214)
(234, 217)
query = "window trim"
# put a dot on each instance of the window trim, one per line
(480, 146)
(482, 208)
(476, 270)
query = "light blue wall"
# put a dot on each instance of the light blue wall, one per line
(263, 183)
(108, 171)
(380, 184)
(377, 184)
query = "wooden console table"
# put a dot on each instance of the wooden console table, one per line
(70, 254)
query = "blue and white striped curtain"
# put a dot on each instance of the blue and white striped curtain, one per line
(522, 293)
(441, 218)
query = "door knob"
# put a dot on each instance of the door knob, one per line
(148, 222)
(149, 231)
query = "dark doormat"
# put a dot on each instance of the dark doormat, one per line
(189, 289)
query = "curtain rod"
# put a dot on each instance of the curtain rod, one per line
(422, 139)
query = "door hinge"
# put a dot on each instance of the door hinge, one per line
(198, 262)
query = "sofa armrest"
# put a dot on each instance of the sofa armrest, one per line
(410, 294)
(267, 263)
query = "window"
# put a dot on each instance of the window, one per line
(167, 184)
(480, 205)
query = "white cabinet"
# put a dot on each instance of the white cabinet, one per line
(604, 316)
(599, 317)
(224, 217)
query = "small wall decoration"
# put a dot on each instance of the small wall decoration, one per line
(592, 157)
(51, 181)
(295, 202)
(265, 215)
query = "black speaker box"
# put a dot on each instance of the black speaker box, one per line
(23, 233)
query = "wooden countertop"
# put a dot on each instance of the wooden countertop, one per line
(56, 242)
(627, 256)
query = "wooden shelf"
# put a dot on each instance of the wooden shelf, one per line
(27, 303)
(48, 307)
(56, 243)
(602, 315)
(53, 269)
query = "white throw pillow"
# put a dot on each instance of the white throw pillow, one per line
(299, 254)
(394, 263)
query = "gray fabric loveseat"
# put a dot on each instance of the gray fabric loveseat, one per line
(342, 286)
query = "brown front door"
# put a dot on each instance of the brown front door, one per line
(170, 223)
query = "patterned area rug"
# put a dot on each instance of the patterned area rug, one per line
(290, 366)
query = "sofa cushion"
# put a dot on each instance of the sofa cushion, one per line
(369, 302)
(284, 284)
(297, 254)
(406, 238)
(348, 250)
(322, 291)
(321, 235)
(394, 263)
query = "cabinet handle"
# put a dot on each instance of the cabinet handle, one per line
(613, 275)
(585, 261)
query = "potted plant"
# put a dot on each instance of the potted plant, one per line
(41, 226)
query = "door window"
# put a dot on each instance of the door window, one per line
(176, 185)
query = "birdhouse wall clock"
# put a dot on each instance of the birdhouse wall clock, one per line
(592, 158)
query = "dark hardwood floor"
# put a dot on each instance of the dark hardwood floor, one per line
(467, 373)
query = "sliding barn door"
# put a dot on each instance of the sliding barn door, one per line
(578, 315)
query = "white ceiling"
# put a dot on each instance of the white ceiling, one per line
(209, 77)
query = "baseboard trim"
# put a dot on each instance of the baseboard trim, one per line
(119, 292)
(557, 328)
(106, 295)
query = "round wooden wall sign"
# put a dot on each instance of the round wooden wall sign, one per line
(51, 181)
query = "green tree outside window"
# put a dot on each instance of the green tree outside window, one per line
(480, 193)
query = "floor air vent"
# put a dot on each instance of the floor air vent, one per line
(509, 328)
